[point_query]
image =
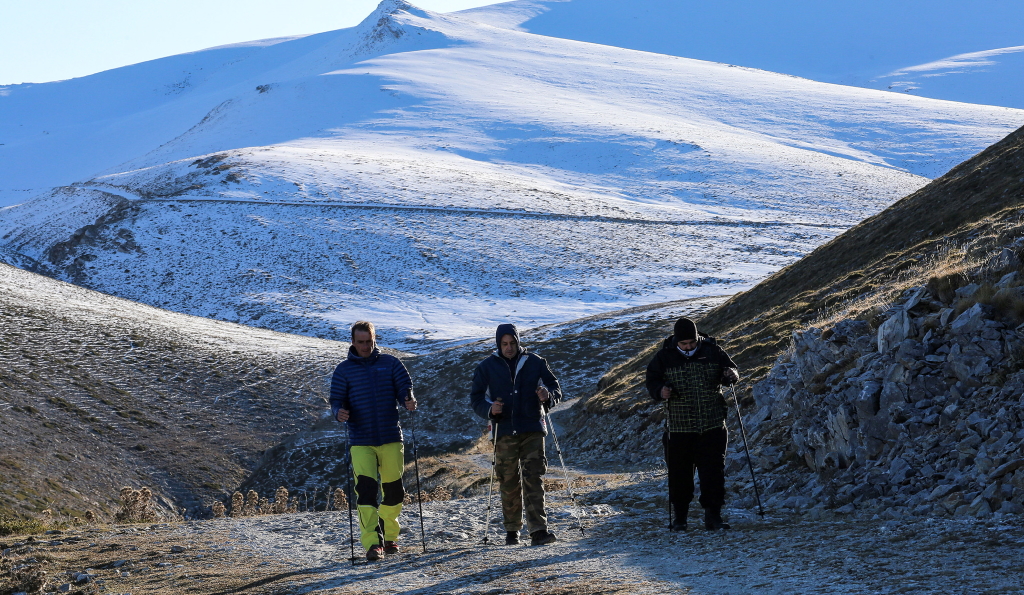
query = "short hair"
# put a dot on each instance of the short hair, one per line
(364, 326)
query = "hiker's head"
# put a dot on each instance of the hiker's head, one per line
(685, 334)
(509, 346)
(364, 338)
(507, 338)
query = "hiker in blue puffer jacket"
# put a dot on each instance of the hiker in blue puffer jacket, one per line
(367, 390)
(513, 389)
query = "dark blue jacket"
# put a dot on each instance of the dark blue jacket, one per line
(371, 389)
(515, 382)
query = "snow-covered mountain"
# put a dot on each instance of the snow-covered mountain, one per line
(943, 49)
(439, 174)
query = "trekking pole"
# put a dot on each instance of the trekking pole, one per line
(419, 492)
(668, 479)
(351, 499)
(666, 440)
(750, 464)
(565, 474)
(490, 485)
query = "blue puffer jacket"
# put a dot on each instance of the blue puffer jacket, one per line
(516, 385)
(372, 389)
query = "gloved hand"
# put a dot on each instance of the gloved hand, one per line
(496, 409)
(730, 376)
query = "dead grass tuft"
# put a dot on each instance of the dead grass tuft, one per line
(136, 506)
(339, 501)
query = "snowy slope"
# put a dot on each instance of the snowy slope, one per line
(859, 43)
(439, 175)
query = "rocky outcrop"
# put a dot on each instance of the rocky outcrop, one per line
(922, 415)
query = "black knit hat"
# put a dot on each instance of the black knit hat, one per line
(686, 330)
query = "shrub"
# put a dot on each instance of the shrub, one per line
(20, 526)
(441, 493)
(340, 500)
(218, 510)
(280, 500)
(136, 506)
(237, 504)
(252, 503)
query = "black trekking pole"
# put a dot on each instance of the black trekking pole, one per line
(565, 474)
(351, 500)
(750, 464)
(666, 439)
(668, 465)
(416, 464)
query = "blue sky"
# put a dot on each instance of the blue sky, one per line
(46, 40)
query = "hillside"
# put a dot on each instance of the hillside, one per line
(97, 393)
(441, 176)
(894, 355)
(924, 47)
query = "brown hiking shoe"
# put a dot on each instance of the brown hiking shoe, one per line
(391, 548)
(374, 553)
(542, 537)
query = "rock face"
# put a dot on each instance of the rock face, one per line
(924, 415)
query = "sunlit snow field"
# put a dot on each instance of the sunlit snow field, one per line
(439, 175)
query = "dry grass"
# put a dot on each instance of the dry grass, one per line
(222, 567)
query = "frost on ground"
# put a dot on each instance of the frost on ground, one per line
(626, 549)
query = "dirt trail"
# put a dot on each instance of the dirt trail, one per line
(626, 550)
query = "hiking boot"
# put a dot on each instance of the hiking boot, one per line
(542, 537)
(679, 522)
(713, 520)
(391, 548)
(374, 553)
(678, 525)
(511, 537)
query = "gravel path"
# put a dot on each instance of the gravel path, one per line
(627, 549)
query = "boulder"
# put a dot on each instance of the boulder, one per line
(1003, 261)
(894, 331)
(968, 291)
(892, 395)
(1008, 280)
(970, 321)
(866, 403)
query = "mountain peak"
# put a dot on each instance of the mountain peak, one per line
(380, 27)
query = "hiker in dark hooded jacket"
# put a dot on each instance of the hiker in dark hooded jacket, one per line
(367, 391)
(687, 374)
(513, 389)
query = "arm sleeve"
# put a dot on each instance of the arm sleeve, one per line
(655, 377)
(402, 381)
(551, 383)
(339, 391)
(478, 394)
(727, 361)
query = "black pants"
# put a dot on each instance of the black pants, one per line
(706, 453)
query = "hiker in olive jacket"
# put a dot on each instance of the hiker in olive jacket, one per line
(687, 375)
(513, 389)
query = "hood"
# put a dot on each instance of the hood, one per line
(507, 329)
(670, 341)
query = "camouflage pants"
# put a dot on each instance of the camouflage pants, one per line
(520, 465)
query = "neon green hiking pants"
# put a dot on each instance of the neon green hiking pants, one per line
(379, 491)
